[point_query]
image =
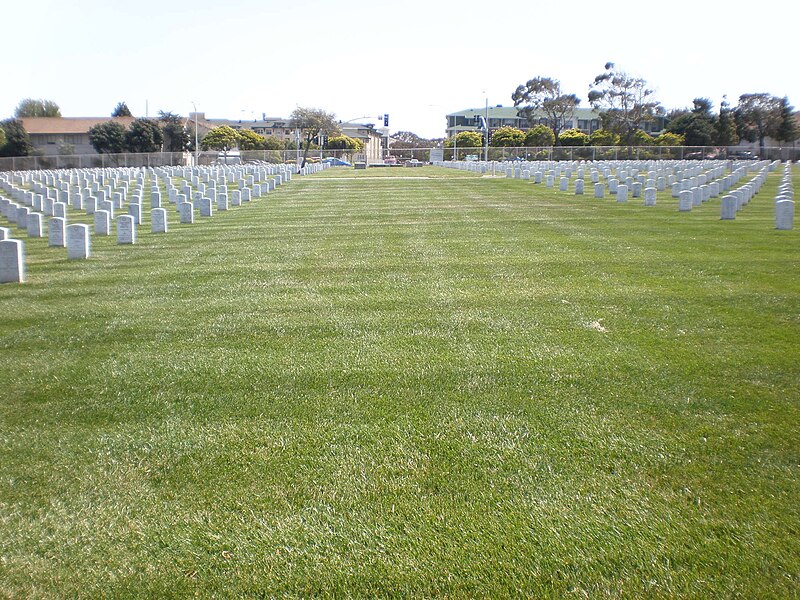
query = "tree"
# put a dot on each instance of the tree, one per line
(272, 142)
(220, 138)
(144, 135)
(507, 136)
(250, 140)
(626, 101)
(603, 137)
(344, 142)
(2, 140)
(464, 140)
(697, 126)
(312, 122)
(18, 142)
(539, 137)
(787, 130)
(176, 136)
(758, 116)
(641, 138)
(108, 137)
(726, 125)
(669, 139)
(541, 99)
(573, 137)
(30, 107)
(122, 110)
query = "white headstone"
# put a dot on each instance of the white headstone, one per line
(12, 261)
(579, 187)
(22, 217)
(784, 213)
(35, 225)
(126, 229)
(650, 196)
(77, 241)
(205, 207)
(5, 233)
(728, 208)
(102, 222)
(158, 217)
(57, 232)
(135, 210)
(685, 201)
(622, 193)
(107, 206)
(599, 190)
(186, 211)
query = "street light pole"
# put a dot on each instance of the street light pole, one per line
(196, 148)
(486, 119)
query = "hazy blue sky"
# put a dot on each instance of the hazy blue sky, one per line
(415, 60)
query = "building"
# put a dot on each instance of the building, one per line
(367, 134)
(279, 128)
(274, 126)
(586, 120)
(52, 136)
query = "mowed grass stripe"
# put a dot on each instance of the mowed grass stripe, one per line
(458, 387)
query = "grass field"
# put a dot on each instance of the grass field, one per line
(443, 386)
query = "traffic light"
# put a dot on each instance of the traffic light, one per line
(385, 120)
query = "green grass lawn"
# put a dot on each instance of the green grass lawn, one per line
(442, 386)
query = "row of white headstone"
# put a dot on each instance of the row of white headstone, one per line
(784, 200)
(691, 183)
(99, 193)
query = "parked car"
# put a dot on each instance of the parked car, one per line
(742, 155)
(337, 162)
(390, 160)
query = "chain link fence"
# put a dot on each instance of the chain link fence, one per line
(398, 156)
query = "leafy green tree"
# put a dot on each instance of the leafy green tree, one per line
(272, 142)
(344, 142)
(18, 142)
(540, 136)
(311, 122)
(541, 99)
(604, 137)
(222, 138)
(122, 110)
(176, 135)
(726, 125)
(669, 139)
(30, 107)
(2, 140)
(758, 116)
(573, 137)
(787, 130)
(464, 140)
(108, 137)
(625, 101)
(641, 138)
(508, 137)
(144, 135)
(697, 126)
(250, 140)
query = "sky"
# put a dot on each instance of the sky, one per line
(415, 60)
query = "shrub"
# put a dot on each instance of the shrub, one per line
(508, 137)
(573, 137)
(603, 137)
(540, 136)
